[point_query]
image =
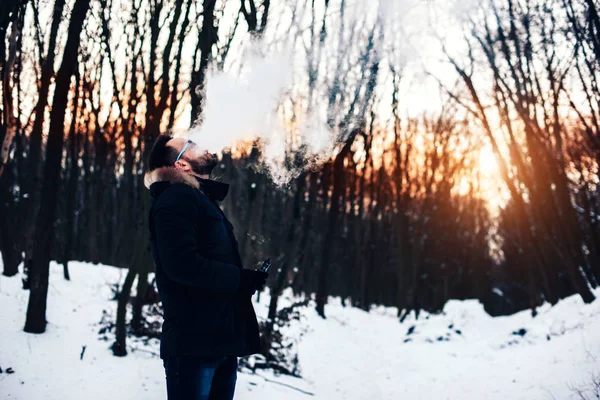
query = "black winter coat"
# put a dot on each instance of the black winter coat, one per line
(197, 269)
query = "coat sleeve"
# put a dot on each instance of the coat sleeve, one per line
(175, 226)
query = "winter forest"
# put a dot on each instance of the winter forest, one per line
(408, 165)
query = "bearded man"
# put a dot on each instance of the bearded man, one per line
(206, 293)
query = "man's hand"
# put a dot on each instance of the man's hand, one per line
(251, 281)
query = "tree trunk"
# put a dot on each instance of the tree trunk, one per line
(334, 211)
(206, 40)
(11, 256)
(32, 182)
(177, 73)
(10, 12)
(44, 231)
(71, 187)
(298, 284)
(141, 264)
(119, 347)
(289, 255)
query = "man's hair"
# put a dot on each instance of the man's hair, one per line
(161, 155)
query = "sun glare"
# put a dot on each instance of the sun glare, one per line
(488, 165)
(492, 188)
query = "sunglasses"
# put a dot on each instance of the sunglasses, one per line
(187, 144)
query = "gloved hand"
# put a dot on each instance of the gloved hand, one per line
(251, 281)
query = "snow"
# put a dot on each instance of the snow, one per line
(460, 354)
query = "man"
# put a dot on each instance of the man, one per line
(209, 320)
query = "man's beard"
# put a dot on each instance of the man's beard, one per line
(204, 165)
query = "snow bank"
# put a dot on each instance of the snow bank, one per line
(461, 353)
(49, 367)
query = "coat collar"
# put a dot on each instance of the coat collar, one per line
(170, 175)
(213, 189)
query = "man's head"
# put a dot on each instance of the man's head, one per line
(181, 154)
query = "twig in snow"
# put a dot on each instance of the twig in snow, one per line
(82, 352)
(589, 391)
(133, 349)
(286, 385)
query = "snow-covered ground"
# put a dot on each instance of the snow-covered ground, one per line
(461, 354)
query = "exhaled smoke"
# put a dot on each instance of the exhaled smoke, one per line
(255, 106)
(297, 105)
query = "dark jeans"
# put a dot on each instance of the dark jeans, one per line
(193, 378)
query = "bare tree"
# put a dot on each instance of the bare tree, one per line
(44, 231)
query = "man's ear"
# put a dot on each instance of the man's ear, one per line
(183, 165)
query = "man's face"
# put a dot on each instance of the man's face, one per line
(194, 159)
